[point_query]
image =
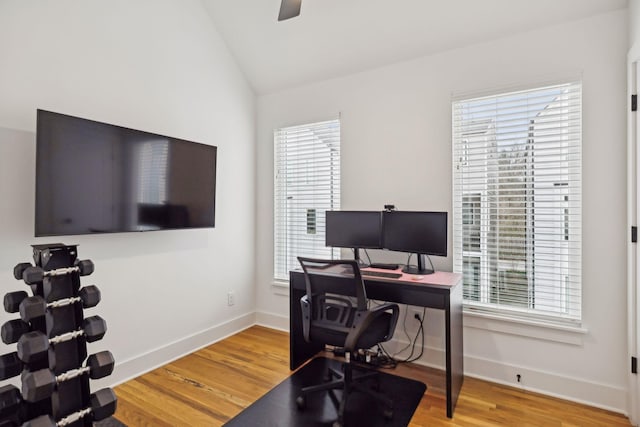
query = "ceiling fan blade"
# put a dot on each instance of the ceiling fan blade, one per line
(289, 9)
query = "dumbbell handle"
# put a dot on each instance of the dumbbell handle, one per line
(76, 416)
(64, 302)
(36, 306)
(61, 271)
(73, 373)
(66, 337)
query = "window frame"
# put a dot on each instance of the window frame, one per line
(461, 149)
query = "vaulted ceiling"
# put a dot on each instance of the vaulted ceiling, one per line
(332, 38)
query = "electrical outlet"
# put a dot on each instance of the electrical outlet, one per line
(231, 298)
(415, 314)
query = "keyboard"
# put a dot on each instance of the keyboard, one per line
(388, 275)
(384, 266)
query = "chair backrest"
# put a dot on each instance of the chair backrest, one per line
(334, 309)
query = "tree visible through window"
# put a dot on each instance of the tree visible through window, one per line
(517, 192)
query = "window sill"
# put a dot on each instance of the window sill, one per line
(280, 287)
(530, 328)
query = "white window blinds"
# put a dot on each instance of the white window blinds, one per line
(152, 160)
(307, 184)
(517, 201)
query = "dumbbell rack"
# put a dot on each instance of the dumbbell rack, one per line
(71, 396)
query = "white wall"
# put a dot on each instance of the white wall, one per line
(396, 148)
(158, 66)
(634, 24)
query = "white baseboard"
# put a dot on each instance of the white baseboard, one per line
(138, 365)
(272, 320)
(590, 393)
(603, 396)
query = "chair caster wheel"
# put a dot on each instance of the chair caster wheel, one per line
(388, 413)
(301, 402)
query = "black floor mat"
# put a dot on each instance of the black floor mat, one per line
(278, 406)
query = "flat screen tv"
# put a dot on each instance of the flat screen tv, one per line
(94, 177)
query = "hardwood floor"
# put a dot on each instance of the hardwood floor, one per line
(209, 387)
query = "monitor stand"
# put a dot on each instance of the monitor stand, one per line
(356, 256)
(420, 269)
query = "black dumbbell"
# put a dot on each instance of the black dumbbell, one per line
(12, 301)
(34, 345)
(10, 365)
(40, 384)
(32, 275)
(103, 405)
(12, 330)
(33, 307)
(10, 401)
(19, 269)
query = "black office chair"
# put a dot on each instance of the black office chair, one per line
(333, 317)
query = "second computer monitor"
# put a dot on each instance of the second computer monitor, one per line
(422, 233)
(354, 229)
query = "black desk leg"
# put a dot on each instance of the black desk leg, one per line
(454, 348)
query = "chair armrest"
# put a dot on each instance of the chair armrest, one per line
(366, 318)
(395, 313)
(321, 304)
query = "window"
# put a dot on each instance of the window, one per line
(517, 201)
(152, 158)
(307, 184)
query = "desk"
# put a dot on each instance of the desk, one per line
(440, 290)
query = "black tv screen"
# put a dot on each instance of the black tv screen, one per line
(417, 232)
(93, 177)
(354, 229)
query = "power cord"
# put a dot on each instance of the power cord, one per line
(353, 251)
(421, 333)
(367, 254)
(381, 358)
(386, 360)
(404, 328)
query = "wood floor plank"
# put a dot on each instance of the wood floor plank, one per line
(212, 385)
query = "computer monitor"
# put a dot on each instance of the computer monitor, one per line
(354, 229)
(422, 233)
